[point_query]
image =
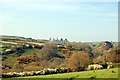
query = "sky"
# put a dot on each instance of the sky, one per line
(72, 19)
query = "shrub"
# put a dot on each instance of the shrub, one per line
(18, 67)
(78, 61)
(33, 68)
(50, 51)
(24, 59)
(116, 65)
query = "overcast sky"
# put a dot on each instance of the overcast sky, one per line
(72, 19)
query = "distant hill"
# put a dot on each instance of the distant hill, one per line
(14, 38)
(3, 37)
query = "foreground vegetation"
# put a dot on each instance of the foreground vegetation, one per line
(93, 74)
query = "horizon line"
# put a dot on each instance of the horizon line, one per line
(58, 38)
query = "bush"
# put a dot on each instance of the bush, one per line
(33, 68)
(50, 51)
(18, 67)
(24, 59)
(117, 65)
(78, 61)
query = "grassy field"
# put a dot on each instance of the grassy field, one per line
(31, 51)
(98, 74)
(7, 42)
(40, 44)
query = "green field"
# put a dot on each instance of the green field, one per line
(31, 51)
(94, 74)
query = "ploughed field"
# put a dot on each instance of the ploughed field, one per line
(105, 74)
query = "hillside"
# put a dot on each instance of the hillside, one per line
(26, 54)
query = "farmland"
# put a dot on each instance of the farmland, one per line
(94, 74)
(21, 54)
